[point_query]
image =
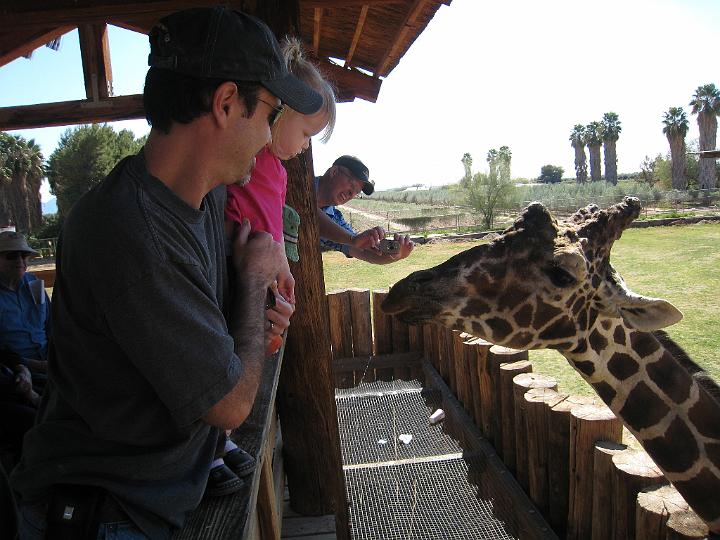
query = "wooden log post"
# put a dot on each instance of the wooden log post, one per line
(361, 332)
(446, 342)
(471, 352)
(507, 409)
(655, 505)
(462, 378)
(559, 460)
(341, 332)
(416, 342)
(602, 515)
(400, 344)
(313, 461)
(633, 471)
(498, 355)
(487, 401)
(588, 425)
(382, 330)
(520, 385)
(686, 525)
(538, 402)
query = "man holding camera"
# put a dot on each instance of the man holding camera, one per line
(342, 182)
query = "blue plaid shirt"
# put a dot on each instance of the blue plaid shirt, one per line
(337, 216)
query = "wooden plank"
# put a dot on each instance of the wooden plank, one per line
(407, 25)
(268, 522)
(71, 112)
(382, 331)
(317, 19)
(400, 344)
(297, 526)
(530, 523)
(382, 361)
(15, 42)
(351, 81)
(341, 339)
(602, 514)
(95, 54)
(507, 409)
(361, 332)
(356, 35)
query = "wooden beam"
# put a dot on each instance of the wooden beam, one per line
(380, 361)
(71, 112)
(351, 82)
(343, 3)
(316, 30)
(95, 53)
(356, 35)
(397, 41)
(16, 43)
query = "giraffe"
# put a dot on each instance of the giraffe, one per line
(544, 284)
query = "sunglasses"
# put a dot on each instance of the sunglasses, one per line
(15, 255)
(276, 113)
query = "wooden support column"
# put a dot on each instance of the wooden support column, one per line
(602, 514)
(382, 330)
(341, 332)
(361, 332)
(95, 53)
(654, 506)
(686, 526)
(507, 408)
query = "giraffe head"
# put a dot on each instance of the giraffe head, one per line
(541, 284)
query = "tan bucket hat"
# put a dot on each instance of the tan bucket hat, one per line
(14, 241)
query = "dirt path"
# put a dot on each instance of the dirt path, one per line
(376, 217)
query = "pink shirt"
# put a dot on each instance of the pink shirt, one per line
(261, 200)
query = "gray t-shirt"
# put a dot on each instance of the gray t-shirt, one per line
(140, 351)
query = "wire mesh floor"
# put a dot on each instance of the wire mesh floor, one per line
(422, 489)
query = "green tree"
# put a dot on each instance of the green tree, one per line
(488, 193)
(551, 174)
(706, 104)
(577, 141)
(467, 165)
(84, 156)
(593, 140)
(610, 130)
(21, 174)
(492, 159)
(676, 127)
(647, 170)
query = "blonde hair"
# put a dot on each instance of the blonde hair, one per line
(309, 73)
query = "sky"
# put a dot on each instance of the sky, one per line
(482, 75)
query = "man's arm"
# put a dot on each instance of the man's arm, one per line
(377, 257)
(330, 230)
(257, 261)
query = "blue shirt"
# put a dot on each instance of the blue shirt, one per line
(24, 323)
(337, 216)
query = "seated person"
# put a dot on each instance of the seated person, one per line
(341, 183)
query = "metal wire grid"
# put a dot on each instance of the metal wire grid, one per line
(378, 387)
(371, 425)
(426, 501)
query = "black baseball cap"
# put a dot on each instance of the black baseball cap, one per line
(220, 43)
(359, 170)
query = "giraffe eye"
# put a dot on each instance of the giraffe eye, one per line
(559, 277)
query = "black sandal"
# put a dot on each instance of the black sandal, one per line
(222, 481)
(240, 462)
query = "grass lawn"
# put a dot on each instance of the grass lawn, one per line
(679, 264)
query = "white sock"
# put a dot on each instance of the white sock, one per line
(217, 463)
(229, 445)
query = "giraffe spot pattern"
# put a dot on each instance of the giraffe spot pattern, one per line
(619, 335)
(582, 320)
(606, 392)
(592, 317)
(562, 328)
(696, 490)
(704, 416)
(500, 328)
(478, 328)
(523, 316)
(622, 366)
(482, 283)
(587, 367)
(597, 341)
(580, 348)
(676, 450)
(674, 381)
(605, 324)
(643, 408)
(511, 298)
(522, 339)
(643, 344)
(595, 281)
(713, 453)
(474, 308)
(544, 313)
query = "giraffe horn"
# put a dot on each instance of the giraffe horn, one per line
(603, 227)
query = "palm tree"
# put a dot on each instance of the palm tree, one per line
(593, 141)
(21, 173)
(676, 127)
(504, 159)
(467, 165)
(610, 134)
(577, 140)
(706, 104)
(492, 159)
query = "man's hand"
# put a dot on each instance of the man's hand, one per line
(278, 320)
(286, 283)
(368, 239)
(406, 247)
(23, 381)
(257, 257)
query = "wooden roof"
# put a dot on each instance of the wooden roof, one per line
(356, 42)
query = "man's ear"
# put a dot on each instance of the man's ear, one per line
(225, 101)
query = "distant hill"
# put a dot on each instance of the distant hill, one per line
(49, 207)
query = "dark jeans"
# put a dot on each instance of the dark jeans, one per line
(32, 526)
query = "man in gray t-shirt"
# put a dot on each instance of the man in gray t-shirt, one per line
(150, 354)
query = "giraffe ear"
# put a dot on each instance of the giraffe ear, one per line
(648, 314)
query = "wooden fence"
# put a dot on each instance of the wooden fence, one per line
(565, 451)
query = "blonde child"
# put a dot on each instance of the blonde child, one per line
(260, 201)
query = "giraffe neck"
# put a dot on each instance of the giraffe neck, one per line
(663, 399)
